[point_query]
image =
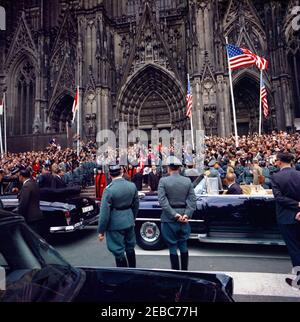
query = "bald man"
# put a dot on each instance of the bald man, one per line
(233, 187)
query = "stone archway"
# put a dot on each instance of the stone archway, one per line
(246, 86)
(22, 95)
(246, 93)
(152, 97)
(61, 113)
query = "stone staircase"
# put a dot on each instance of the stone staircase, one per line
(89, 192)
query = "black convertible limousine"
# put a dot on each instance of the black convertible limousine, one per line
(247, 219)
(64, 209)
(35, 272)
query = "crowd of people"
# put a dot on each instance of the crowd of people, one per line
(252, 162)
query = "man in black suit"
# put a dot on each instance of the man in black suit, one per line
(138, 179)
(286, 190)
(45, 180)
(154, 178)
(58, 182)
(29, 203)
(233, 187)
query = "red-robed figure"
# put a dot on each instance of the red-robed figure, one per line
(100, 182)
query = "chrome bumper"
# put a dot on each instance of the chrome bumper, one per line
(71, 228)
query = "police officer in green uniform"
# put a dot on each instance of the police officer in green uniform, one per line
(178, 201)
(119, 208)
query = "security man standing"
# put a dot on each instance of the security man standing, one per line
(29, 203)
(286, 190)
(178, 202)
(119, 208)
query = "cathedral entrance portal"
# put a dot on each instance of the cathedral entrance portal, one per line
(246, 93)
(61, 115)
(152, 99)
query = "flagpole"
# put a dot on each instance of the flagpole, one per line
(5, 126)
(78, 125)
(191, 118)
(232, 99)
(192, 130)
(260, 103)
(1, 140)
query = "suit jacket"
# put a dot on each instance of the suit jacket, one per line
(29, 202)
(58, 182)
(176, 195)
(138, 180)
(154, 181)
(234, 189)
(119, 206)
(286, 190)
(45, 180)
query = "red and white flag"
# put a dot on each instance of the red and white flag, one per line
(189, 100)
(241, 57)
(75, 104)
(264, 99)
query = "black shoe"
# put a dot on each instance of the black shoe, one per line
(131, 259)
(174, 262)
(184, 261)
(121, 262)
(290, 282)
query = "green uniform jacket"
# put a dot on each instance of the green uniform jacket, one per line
(119, 206)
(176, 195)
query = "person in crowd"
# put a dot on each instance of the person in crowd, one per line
(257, 173)
(266, 174)
(233, 187)
(58, 181)
(178, 202)
(215, 171)
(190, 171)
(248, 173)
(119, 208)
(146, 171)
(29, 203)
(286, 190)
(154, 178)
(45, 180)
(138, 179)
(100, 182)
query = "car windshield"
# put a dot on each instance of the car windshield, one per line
(33, 269)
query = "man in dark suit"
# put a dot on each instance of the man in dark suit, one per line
(58, 182)
(233, 187)
(45, 180)
(154, 178)
(286, 190)
(138, 179)
(29, 203)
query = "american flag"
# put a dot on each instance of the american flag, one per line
(75, 104)
(189, 100)
(264, 99)
(241, 57)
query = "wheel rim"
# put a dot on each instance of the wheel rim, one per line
(149, 232)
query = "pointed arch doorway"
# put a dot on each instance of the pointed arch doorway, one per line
(152, 99)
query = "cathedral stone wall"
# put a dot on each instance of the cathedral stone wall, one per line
(131, 59)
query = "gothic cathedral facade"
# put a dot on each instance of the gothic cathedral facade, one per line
(131, 58)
